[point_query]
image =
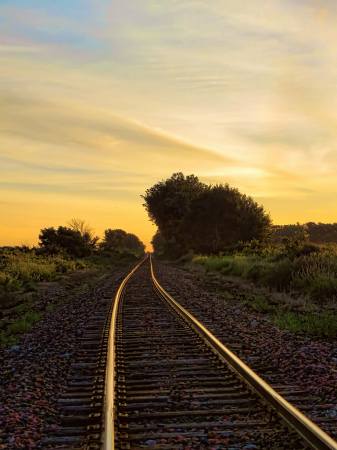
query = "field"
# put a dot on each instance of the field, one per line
(23, 271)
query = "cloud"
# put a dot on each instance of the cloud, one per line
(83, 135)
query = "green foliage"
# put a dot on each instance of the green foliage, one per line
(313, 273)
(323, 325)
(258, 303)
(310, 323)
(18, 326)
(109, 260)
(21, 270)
(301, 237)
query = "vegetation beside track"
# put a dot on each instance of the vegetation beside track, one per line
(308, 276)
(27, 274)
(61, 251)
(216, 228)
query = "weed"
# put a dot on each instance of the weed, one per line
(260, 304)
(21, 308)
(312, 272)
(323, 325)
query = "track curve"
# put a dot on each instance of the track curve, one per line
(157, 379)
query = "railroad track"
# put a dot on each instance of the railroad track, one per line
(149, 375)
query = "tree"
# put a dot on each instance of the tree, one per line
(318, 232)
(120, 239)
(132, 242)
(168, 202)
(63, 238)
(158, 242)
(192, 215)
(85, 230)
(113, 239)
(222, 216)
(300, 238)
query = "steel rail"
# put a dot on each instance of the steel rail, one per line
(109, 431)
(315, 437)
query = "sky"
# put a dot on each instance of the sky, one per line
(101, 100)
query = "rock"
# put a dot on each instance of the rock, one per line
(15, 347)
(237, 312)
(66, 355)
(304, 349)
(150, 442)
(254, 323)
(204, 441)
(334, 359)
(307, 339)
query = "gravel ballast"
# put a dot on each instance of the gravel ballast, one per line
(310, 363)
(34, 372)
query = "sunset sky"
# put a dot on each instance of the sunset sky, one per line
(101, 99)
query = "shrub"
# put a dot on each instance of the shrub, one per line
(309, 269)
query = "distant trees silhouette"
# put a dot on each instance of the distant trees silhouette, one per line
(85, 230)
(52, 241)
(80, 240)
(317, 232)
(120, 239)
(158, 242)
(205, 218)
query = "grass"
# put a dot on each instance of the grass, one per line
(313, 274)
(323, 325)
(18, 326)
(20, 271)
(310, 324)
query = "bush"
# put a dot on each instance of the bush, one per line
(309, 269)
(22, 270)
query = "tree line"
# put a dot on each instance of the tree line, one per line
(191, 215)
(318, 233)
(79, 239)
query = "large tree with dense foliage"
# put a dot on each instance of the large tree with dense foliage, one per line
(192, 215)
(168, 202)
(222, 216)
